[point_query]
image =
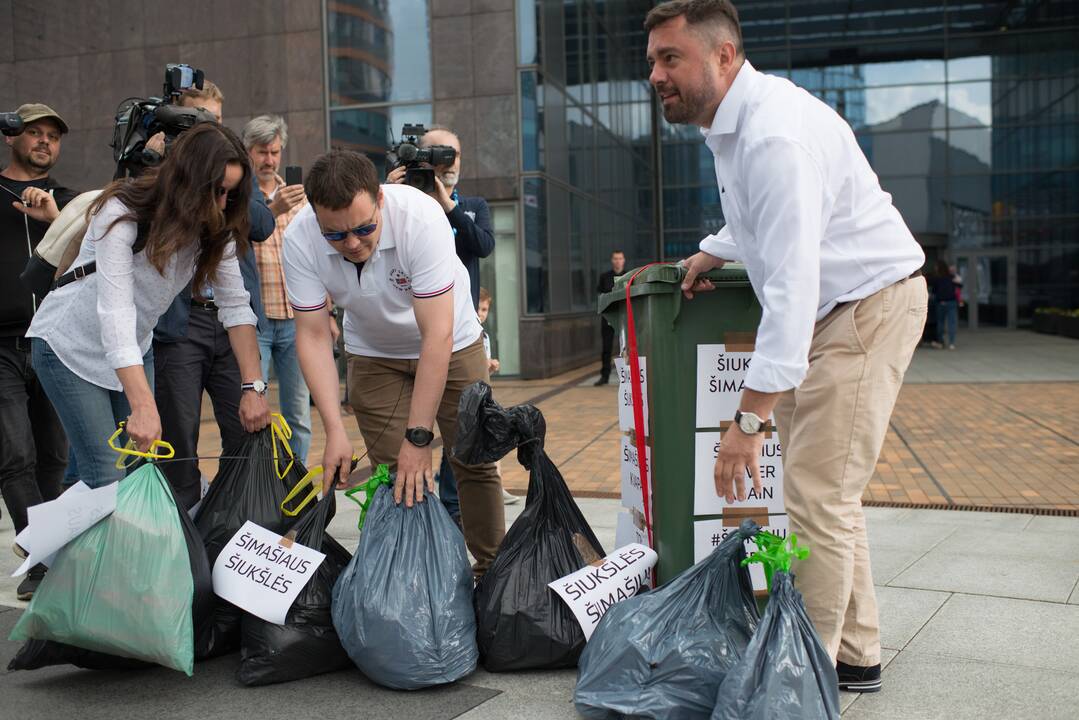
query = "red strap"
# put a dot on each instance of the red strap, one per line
(638, 404)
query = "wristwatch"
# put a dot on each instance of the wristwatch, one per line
(259, 386)
(748, 422)
(419, 436)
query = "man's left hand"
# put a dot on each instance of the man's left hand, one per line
(254, 411)
(413, 473)
(443, 195)
(738, 451)
(39, 204)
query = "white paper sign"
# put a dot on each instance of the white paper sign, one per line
(592, 590)
(625, 394)
(631, 475)
(705, 500)
(52, 525)
(720, 380)
(256, 573)
(708, 534)
(628, 530)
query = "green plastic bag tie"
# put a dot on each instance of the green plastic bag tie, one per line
(775, 553)
(381, 476)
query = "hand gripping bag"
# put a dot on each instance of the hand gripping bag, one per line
(663, 654)
(785, 674)
(307, 644)
(521, 623)
(250, 486)
(132, 590)
(403, 606)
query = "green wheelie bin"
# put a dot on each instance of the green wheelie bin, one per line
(693, 357)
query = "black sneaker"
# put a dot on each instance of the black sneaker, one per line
(601, 381)
(858, 679)
(29, 584)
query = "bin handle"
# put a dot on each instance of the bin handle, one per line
(638, 404)
(129, 450)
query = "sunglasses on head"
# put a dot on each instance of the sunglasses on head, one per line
(359, 231)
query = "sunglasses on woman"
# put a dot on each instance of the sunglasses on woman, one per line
(359, 231)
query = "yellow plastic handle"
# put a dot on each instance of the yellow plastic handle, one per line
(280, 431)
(308, 479)
(129, 449)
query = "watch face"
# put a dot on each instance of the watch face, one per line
(749, 423)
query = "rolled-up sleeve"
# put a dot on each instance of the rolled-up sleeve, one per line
(722, 245)
(116, 287)
(787, 220)
(231, 297)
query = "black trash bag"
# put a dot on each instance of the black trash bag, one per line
(246, 487)
(521, 623)
(403, 606)
(35, 654)
(785, 673)
(663, 654)
(307, 644)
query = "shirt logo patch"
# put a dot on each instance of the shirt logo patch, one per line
(471, 215)
(400, 281)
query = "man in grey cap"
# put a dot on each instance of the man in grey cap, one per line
(33, 447)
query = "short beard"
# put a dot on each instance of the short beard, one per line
(691, 104)
(451, 174)
(28, 161)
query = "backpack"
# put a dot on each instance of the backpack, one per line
(47, 268)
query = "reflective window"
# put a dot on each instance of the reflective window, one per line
(373, 131)
(534, 202)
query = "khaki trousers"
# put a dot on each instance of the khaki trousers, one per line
(832, 428)
(380, 393)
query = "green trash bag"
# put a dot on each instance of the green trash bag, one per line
(124, 586)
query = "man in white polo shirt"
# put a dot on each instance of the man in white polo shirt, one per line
(385, 254)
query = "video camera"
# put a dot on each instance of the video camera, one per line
(10, 124)
(420, 162)
(139, 119)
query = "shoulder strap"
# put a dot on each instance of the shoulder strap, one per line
(91, 267)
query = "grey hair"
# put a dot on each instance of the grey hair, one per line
(263, 129)
(442, 128)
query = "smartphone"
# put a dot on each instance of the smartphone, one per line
(294, 175)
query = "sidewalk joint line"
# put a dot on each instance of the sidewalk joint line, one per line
(915, 455)
(590, 443)
(1039, 423)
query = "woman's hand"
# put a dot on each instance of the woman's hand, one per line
(144, 426)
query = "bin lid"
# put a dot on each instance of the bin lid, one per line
(665, 278)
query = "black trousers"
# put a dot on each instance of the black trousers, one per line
(182, 370)
(33, 446)
(608, 344)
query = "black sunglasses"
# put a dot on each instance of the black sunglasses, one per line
(359, 231)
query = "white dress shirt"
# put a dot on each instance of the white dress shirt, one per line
(415, 258)
(106, 320)
(805, 213)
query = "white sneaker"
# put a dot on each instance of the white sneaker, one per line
(509, 498)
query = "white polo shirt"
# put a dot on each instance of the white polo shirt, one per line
(415, 258)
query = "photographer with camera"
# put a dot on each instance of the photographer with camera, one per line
(193, 351)
(384, 254)
(33, 448)
(208, 98)
(182, 222)
(473, 237)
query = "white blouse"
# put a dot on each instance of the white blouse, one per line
(106, 320)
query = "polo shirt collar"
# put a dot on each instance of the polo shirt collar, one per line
(727, 114)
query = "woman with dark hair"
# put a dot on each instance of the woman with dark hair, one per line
(942, 286)
(184, 221)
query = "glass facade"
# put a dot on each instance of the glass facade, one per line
(968, 112)
(588, 183)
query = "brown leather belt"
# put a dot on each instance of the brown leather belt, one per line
(204, 304)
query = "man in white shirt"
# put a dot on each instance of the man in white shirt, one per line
(836, 272)
(385, 254)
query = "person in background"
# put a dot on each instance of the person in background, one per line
(605, 285)
(33, 447)
(945, 286)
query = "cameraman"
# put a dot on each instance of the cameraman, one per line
(209, 98)
(33, 447)
(193, 351)
(474, 239)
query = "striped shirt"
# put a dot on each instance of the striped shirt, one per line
(271, 268)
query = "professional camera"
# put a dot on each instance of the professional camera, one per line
(10, 124)
(139, 119)
(420, 162)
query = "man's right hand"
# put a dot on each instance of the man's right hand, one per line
(144, 426)
(397, 175)
(287, 197)
(336, 462)
(702, 262)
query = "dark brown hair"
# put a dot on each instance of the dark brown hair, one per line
(176, 202)
(336, 177)
(698, 13)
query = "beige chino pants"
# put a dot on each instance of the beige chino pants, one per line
(832, 428)
(380, 393)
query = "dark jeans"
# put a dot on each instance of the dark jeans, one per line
(605, 357)
(447, 486)
(183, 369)
(33, 446)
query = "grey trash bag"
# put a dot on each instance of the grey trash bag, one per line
(403, 605)
(786, 674)
(663, 654)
